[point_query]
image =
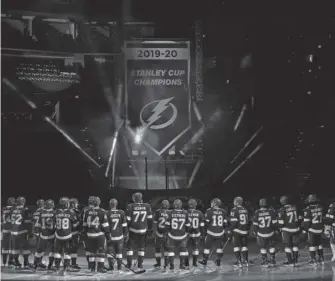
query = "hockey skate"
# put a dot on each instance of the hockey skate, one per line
(245, 263)
(75, 267)
(238, 265)
(264, 264)
(321, 261)
(312, 262)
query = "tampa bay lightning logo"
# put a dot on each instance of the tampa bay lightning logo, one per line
(159, 108)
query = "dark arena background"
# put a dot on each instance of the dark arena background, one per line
(174, 99)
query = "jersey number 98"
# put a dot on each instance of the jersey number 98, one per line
(62, 223)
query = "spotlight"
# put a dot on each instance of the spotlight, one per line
(137, 138)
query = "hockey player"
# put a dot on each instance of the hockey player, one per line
(139, 218)
(161, 215)
(215, 223)
(45, 230)
(118, 234)
(6, 227)
(330, 223)
(196, 219)
(239, 225)
(82, 235)
(265, 225)
(177, 233)
(21, 227)
(75, 233)
(96, 227)
(289, 223)
(36, 215)
(65, 220)
(313, 225)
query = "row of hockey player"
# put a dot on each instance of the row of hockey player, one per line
(60, 231)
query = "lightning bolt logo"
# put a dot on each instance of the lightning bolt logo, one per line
(158, 110)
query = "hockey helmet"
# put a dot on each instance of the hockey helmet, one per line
(137, 197)
(192, 204)
(64, 202)
(11, 201)
(91, 200)
(165, 204)
(238, 201)
(311, 198)
(113, 203)
(49, 204)
(40, 203)
(263, 203)
(177, 204)
(284, 200)
(20, 201)
(74, 203)
(216, 202)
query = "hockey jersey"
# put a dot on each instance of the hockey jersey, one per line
(139, 217)
(160, 218)
(313, 219)
(66, 222)
(196, 219)
(95, 222)
(289, 219)
(239, 220)
(20, 219)
(36, 222)
(216, 221)
(47, 224)
(6, 224)
(79, 220)
(117, 224)
(178, 224)
(330, 216)
(265, 222)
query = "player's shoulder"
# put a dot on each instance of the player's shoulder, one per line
(147, 205)
(130, 205)
(120, 211)
(209, 210)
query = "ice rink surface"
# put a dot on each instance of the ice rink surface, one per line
(225, 273)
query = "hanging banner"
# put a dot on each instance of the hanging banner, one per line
(158, 100)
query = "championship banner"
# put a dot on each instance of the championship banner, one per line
(158, 100)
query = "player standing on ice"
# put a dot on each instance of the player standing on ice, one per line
(36, 216)
(75, 233)
(139, 218)
(313, 225)
(96, 227)
(83, 236)
(118, 232)
(330, 223)
(197, 225)
(265, 225)
(177, 233)
(6, 227)
(239, 225)
(289, 224)
(215, 223)
(160, 217)
(21, 227)
(65, 221)
(46, 234)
